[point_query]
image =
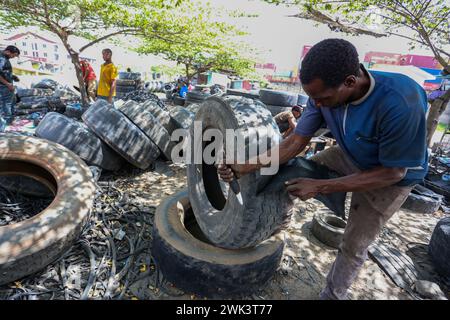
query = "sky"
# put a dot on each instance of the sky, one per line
(282, 38)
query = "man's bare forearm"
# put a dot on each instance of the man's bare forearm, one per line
(286, 150)
(363, 181)
(113, 88)
(4, 81)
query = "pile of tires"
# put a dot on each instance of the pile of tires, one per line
(142, 96)
(78, 138)
(206, 241)
(196, 97)
(137, 133)
(127, 82)
(190, 261)
(183, 116)
(278, 101)
(439, 247)
(46, 95)
(328, 229)
(423, 200)
(29, 246)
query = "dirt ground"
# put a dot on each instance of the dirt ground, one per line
(306, 261)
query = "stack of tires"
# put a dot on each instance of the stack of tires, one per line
(127, 82)
(439, 247)
(196, 97)
(206, 240)
(183, 116)
(155, 86)
(302, 100)
(278, 101)
(33, 98)
(46, 95)
(138, 133)
(423, 200)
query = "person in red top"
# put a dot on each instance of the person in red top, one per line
(90, 79)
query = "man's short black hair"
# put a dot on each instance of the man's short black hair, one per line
(12, 49)
(332, 61)
(296, 108)
(108, 50)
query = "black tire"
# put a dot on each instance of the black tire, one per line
(422, 200)
(302, 100)
(25, 186)
(196, 97)
(129, 76)
(66, 93)
(76, 137)
(46, 84)
(198, 267)
(328, 229)
(183, 117)
(143, 96)
(22, 93)
(278, 98)
(57, 105)
(74, 112)
(34, 100)
(179, 101)
(193, 108)
(126, 89)
(169, 95)
(242, 93)
(274, 110)
(223, 220)
(161, 114)
(304, 168)
(144, 119)
(29, 246)
(436, 184)
(116, 130)
(439, 248)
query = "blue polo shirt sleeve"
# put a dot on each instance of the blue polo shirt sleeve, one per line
(310, 121)
(402, 135)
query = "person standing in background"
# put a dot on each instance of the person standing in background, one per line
(6, 86)
(90, 79)
(108, 75)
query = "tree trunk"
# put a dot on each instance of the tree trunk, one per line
(438, 107)
(188, 76)
(75, 56)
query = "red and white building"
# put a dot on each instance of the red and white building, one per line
(41, 51)
(36, 48)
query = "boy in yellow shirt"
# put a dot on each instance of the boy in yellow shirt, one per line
(108, 74)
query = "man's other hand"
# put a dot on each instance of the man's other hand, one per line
(10, 87)
(303, 188)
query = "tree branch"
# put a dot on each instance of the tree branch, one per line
(105, 37)
(318, 16)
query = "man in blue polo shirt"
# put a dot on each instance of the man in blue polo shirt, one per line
(378, 120)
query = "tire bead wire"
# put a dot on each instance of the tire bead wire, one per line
(102, 263)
